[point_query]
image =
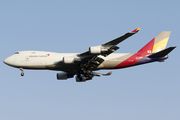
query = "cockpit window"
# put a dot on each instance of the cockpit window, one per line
(17, 53)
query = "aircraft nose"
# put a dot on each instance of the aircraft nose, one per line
(8, 61)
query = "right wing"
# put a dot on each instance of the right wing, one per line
(110, 46)
(90, 59)
(120, 39)
(99, 74)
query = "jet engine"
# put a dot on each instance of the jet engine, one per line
(64, 76)
(97, 50)
(68, 60)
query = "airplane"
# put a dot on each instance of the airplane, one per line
(83, 65)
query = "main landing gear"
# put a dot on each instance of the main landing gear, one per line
(22, 73)
(84, 75)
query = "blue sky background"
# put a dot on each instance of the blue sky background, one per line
(146, 92)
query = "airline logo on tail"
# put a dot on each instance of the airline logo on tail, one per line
(161, 40)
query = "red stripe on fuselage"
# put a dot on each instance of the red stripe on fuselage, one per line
(128, 62)
(147, 49)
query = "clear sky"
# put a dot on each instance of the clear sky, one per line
(146, 92)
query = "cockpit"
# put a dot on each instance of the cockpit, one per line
(16, 52)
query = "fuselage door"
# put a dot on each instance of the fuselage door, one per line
(27, 59)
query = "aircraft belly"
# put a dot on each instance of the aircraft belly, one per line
(32, 66)
(63, 67)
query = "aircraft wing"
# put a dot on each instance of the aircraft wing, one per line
(109, 47)
(90, 59)
(120, 39)
(99, 74)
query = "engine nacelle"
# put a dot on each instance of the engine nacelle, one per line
(68, 60)
(96, 50)
(64, 76)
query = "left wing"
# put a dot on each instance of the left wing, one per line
(99, 74)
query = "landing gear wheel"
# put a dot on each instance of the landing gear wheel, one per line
(22, 74)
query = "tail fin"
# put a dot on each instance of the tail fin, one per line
(156, 44)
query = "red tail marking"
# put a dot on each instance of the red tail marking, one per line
(147, 49)
(128, 62)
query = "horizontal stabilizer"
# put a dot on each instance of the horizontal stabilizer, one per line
(162, 53)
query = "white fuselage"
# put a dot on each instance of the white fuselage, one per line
(49, 60)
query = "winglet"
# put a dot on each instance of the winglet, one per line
(109, 73)
(136, 30)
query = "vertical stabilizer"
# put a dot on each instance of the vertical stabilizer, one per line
(161, 41)
(156, 44)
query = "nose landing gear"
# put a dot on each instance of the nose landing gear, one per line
(22, 73)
